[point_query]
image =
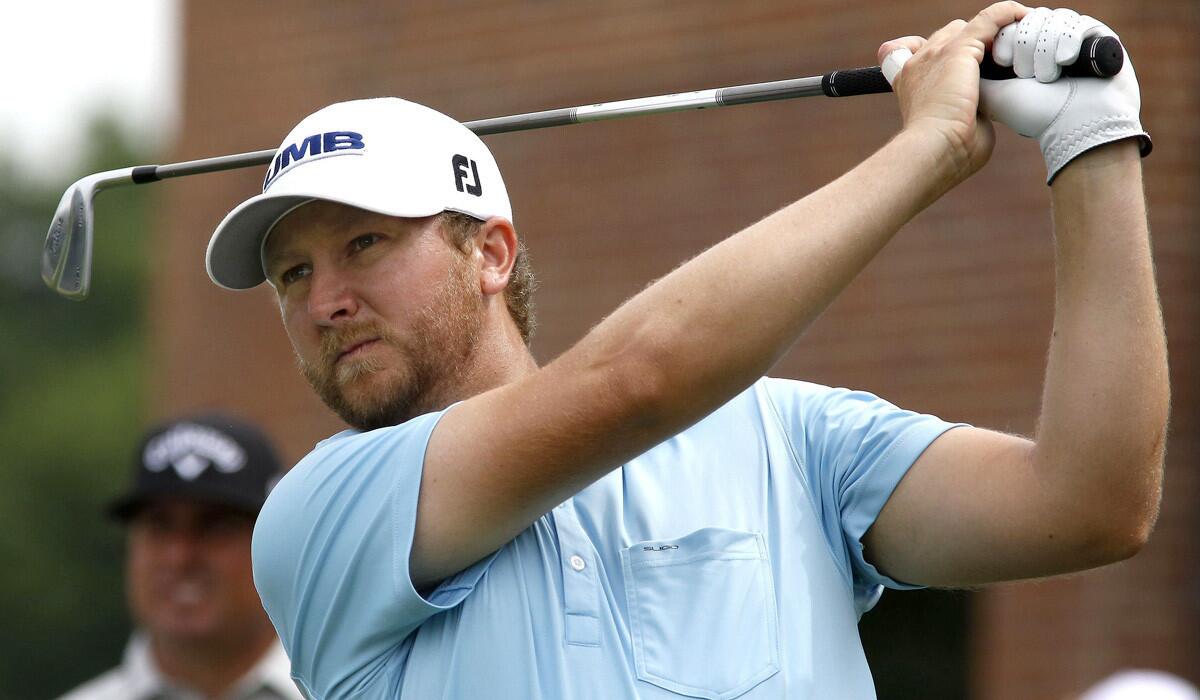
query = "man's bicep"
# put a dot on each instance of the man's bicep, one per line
(972, 509)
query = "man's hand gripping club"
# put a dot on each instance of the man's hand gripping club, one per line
(938, 89)
(1067, 116)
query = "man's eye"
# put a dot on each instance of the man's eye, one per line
(226, 524)
(152, 523)
(293, 274)
(364, 241)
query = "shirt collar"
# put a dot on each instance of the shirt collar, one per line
(273, 671)
(141, 674)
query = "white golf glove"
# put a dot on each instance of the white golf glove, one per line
(1066, 115)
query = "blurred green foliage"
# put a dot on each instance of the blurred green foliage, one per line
(71, 390)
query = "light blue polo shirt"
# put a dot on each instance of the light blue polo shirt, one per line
(724, 563)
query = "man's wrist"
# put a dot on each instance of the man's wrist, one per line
(1060, 152)
(927, 157)
(1108, 162)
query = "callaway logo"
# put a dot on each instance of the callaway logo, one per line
(190, 449)
(330, 143)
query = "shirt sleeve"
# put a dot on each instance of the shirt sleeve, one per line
(852, 450)
(331, 554)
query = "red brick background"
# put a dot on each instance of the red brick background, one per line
(953, 317)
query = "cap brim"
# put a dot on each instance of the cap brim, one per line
(234, 258)
(124, 508)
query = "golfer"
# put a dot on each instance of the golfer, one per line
(646, 516)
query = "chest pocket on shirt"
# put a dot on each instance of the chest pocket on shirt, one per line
(702, 612)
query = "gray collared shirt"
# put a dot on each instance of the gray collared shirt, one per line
(138, 678)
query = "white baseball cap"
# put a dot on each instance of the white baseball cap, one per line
(386, 155)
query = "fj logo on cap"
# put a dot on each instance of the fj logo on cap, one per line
(330, 143)
(472, 186)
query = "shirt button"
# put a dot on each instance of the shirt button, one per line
(577, 562)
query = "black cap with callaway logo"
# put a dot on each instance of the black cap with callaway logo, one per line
(212, 458)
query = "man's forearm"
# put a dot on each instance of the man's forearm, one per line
(1106, 397)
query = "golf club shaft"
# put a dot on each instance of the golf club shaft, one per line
(1099, 57)
(67, 254)
(700, 99)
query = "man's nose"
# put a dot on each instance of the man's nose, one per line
(181, 546)
(331, 298)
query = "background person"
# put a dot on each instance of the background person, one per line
(198, 485)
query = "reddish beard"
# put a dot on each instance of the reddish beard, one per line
(413, 375)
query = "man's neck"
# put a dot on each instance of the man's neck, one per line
(210, 667)
(500, 358)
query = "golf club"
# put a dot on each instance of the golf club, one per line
(67, 255)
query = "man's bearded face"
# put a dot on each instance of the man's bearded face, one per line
(388, 377)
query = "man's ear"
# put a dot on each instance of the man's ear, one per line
(496, 242)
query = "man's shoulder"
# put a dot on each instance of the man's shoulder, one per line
(110, 685)
(350, 445)
(796, 399)
(353, 453)
(770, 395)
(326, 514)
(783, 385)
(350, 467)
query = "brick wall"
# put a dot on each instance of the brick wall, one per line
(952, 318)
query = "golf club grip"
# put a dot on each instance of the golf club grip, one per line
(1099, 57)
(856, 81)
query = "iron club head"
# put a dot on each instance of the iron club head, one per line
(67, 255)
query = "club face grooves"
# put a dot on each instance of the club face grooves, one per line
(74, 280)
(52, 253)
(67, 255)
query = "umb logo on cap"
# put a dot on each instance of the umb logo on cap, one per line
(330, 143)
(190, 448)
